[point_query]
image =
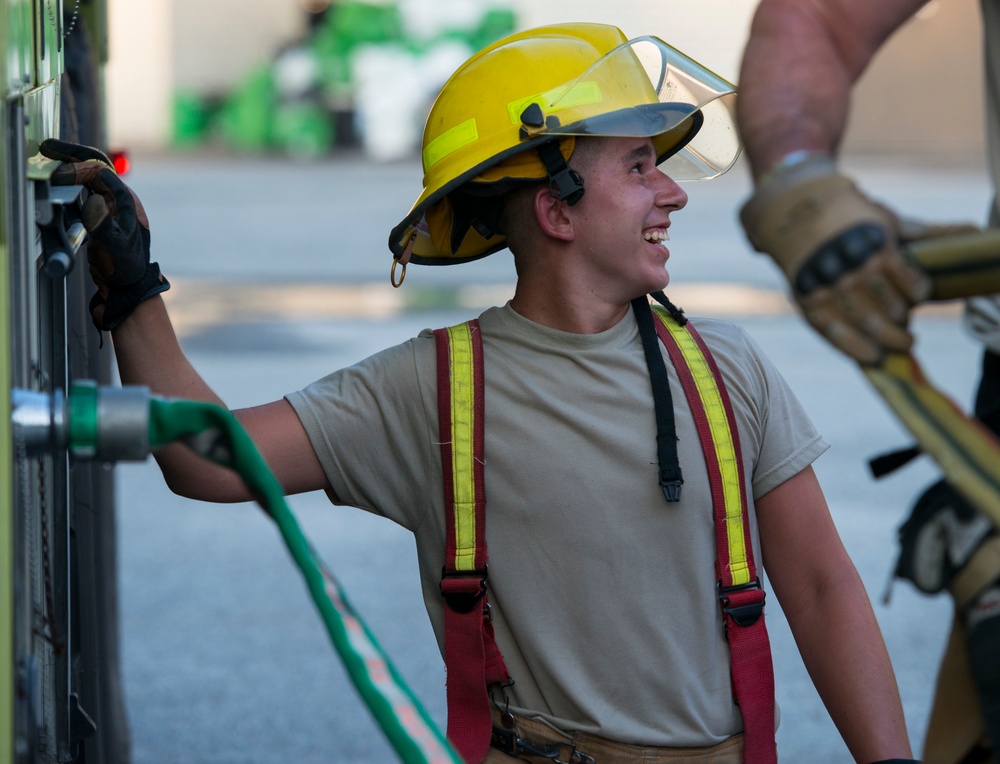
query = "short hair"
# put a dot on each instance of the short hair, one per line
(516, 220)
(508, 207)
(517, 216)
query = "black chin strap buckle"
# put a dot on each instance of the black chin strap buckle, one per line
(565, 183)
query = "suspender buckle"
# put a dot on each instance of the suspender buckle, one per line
(744, 603)
(463, 589)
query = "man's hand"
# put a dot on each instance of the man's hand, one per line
(118, 249)
(841, 253)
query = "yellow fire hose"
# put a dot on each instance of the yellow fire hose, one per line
(962, 265)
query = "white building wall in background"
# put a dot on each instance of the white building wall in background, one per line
(158, 46)
(713, 32)
(139, 76)
(217, 42)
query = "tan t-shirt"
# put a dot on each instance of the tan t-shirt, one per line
(603, 594)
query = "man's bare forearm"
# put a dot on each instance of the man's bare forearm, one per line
(149, 354)
(849, 665)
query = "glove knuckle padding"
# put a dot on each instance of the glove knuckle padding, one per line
(793, 219)
(120, 198)
(64, 151)
(840, 250)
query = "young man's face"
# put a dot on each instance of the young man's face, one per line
(622, 220)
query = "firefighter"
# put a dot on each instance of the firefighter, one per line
(632, 472)
(842, 254)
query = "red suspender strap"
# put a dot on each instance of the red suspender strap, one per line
(472, 659)
(739, 587)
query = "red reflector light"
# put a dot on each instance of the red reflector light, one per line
(120, 161)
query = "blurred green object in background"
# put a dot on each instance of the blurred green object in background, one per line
(245, 121)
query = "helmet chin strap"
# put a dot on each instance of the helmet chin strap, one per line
(676, 313)
(565, 183)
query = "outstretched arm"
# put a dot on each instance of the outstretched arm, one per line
(128, 304)
(841, 252)
(831, 619)
(149, 354)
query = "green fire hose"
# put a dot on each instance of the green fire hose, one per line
(123, 423)
(214, 433)
(114, 424)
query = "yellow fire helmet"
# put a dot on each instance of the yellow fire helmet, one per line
(510, 114)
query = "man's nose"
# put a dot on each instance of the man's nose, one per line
(671, 194)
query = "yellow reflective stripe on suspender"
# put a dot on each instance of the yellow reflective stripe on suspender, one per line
(463, 451)
(725, 450)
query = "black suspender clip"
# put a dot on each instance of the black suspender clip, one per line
(744, 615)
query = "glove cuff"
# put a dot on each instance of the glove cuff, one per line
(815, 223)
(110, 309)
(779, 187)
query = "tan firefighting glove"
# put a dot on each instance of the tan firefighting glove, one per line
(841, 253)
(118, 233)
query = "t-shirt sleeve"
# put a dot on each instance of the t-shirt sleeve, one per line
(373, 426)
(785, 439)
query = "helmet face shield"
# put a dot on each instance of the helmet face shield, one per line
(646, 88)
(497, 113)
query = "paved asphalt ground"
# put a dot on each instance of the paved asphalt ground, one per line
(280, 275)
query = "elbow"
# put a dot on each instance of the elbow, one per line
(209, 482)
(185, 487)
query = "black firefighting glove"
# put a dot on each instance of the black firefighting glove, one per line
(843, 255)
(118, 249)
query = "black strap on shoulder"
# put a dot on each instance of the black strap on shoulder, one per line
(676, 313)
(663, 404)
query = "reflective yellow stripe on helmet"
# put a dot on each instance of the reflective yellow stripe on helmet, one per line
(450, 141)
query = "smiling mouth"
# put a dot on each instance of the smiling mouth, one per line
(658, 236)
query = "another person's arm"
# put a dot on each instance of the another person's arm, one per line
(800, 64)
(831, 619)
(839, 250)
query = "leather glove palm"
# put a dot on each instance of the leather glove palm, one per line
(118, 248)
(841, 252)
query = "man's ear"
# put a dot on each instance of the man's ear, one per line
(551, 216)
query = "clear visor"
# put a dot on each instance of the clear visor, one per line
(646, 88)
